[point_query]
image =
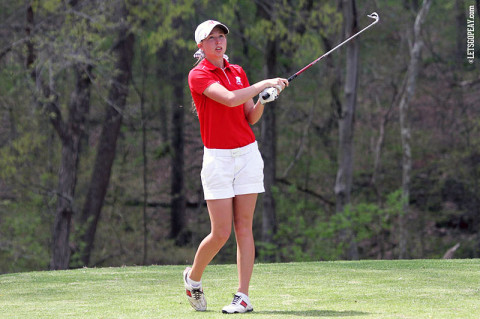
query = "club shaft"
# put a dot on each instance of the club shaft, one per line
(291, 78)
(265, 95)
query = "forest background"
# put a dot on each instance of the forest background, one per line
(371, 154)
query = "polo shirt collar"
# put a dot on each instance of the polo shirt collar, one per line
(209, 66)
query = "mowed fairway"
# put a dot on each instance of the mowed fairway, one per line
(363, 289)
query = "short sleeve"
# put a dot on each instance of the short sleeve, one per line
(199, 80)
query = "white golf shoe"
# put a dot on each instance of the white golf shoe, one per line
(194, 294)
(240, 304)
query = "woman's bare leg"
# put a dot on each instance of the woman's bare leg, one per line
(221, 214)
(243, 210)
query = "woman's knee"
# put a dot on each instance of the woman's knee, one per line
(243, 230)
(221, 235)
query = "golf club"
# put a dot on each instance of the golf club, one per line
(266, 93)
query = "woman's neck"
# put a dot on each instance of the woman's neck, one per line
(217, 62)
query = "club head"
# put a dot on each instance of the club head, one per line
(374, 15)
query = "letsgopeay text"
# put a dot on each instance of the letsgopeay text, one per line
(471, 34)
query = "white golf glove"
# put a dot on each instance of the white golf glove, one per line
(269, 95)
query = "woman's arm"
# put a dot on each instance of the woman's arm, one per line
(220, 94)
(253, 112)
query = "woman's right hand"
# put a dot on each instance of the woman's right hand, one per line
(272, 90)
(279, 83)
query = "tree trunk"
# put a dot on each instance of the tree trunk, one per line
(177, 186)
(461, 36)
(268, 145)
(343, 183)
(161, 55)
(178, 159)
(108, 141)
(378, 151)
(269, 151)
(465, 105)
(67, 176)
(476, 186)
(405, 129)
(142, 96)
(70, 134)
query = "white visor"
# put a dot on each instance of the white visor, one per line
(204, 29)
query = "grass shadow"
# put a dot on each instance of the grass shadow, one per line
(312, 313)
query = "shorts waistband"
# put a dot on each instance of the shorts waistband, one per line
(232, 152)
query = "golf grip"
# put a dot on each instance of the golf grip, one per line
(266, 95)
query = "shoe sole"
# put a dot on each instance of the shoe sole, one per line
(231, 313)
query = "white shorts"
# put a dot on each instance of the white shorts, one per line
(227, 173)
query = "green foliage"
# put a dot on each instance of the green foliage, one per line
(445, 122)
(25, 217)
(306, 233)
(50, 6)
(25, 234)
(21, 154)
(163, 19)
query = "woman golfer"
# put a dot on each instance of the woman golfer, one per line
(232, 171)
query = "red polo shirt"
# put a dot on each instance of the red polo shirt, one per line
(221, 126)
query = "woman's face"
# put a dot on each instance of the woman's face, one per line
(215, 45)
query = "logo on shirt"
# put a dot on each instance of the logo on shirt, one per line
(239, 80)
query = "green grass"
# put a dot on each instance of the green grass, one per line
(364, 289)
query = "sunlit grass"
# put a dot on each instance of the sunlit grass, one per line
(364, 289)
